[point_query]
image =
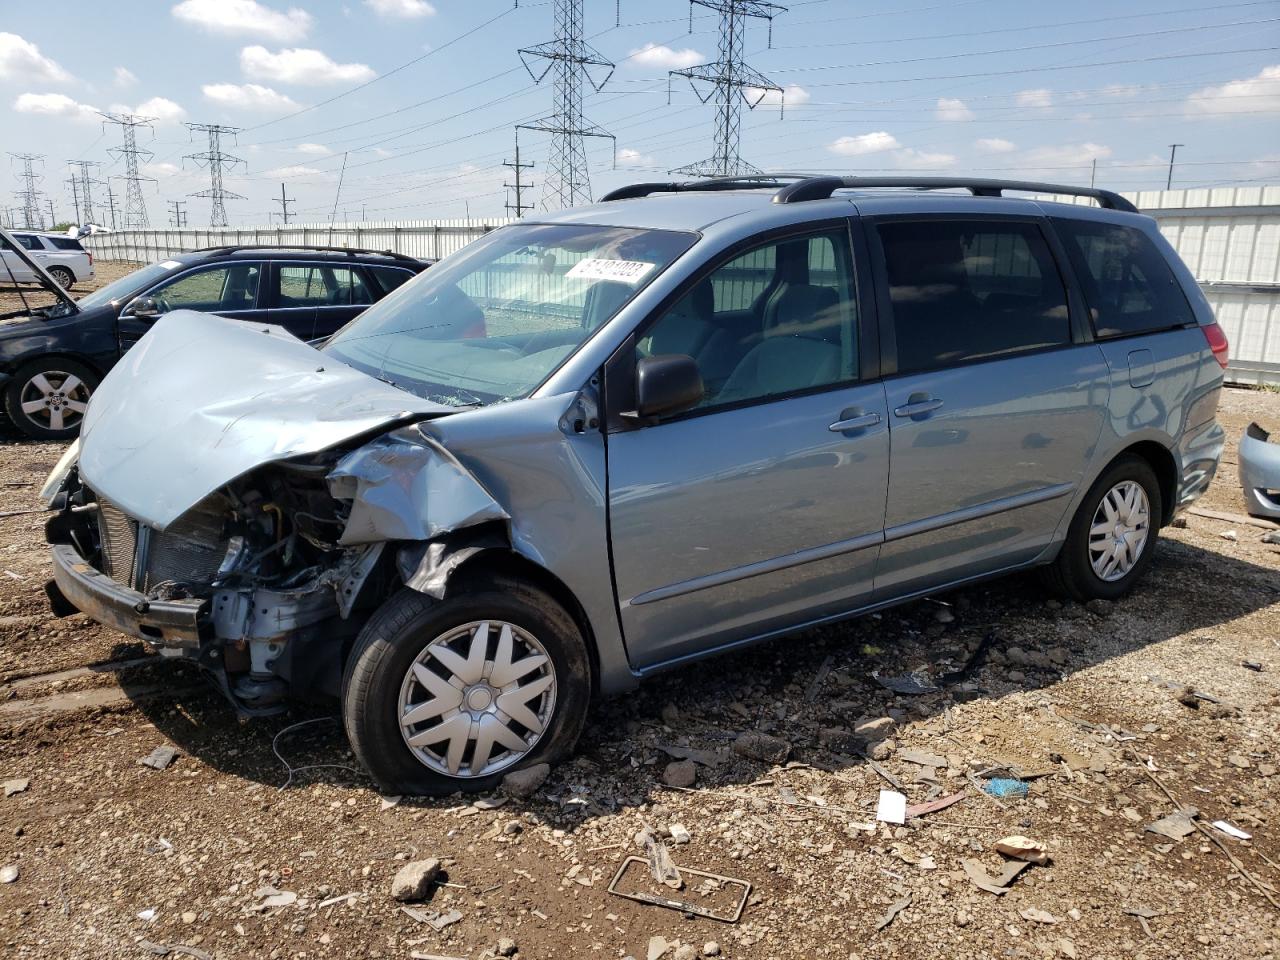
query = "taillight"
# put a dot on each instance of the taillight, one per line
(1217, 343)
(90, 258)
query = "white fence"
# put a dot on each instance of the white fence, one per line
(428, 239)
(1228, 236)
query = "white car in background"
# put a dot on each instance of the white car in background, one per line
(65, 259)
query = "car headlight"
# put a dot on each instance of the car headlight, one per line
(53, 483)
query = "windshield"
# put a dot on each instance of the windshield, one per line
(129, 284)
(492, 322)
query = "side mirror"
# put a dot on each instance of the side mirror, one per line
(666, 384)
(144, 308)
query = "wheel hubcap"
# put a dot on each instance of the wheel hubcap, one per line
(1119, 531)
(477, 699)
(54, 400)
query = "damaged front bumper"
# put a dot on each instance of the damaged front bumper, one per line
(1260, 472)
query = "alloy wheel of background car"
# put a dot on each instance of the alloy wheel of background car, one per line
(453, 694)
(477, 699)
(1119, 531)
(1112, 536)
(48, 399)
(66, 279)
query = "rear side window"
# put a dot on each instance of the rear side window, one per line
(1127, 281)
(971, 290)
(28, 241)
(316, 286)
(389, 278)
(65, 243)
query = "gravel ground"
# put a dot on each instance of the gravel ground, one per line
(1090, 706)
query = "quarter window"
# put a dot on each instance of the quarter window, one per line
(1127, 282)
(390, 277)
(776, 320)
(320, 286)
(971, 290)
(218, 289)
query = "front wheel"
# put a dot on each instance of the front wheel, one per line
(1112, 536)
(47, 399)
(448, 695)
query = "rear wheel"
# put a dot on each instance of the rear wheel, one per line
(66, 279)
(1113, 535)
(47, 399)
(441, 696)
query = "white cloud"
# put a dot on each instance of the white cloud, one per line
(246, 96)
(864, 144)
(791, 96)
(22, 60)
(244, 17)
(300, 66)
(1123, 90)
(634, 158)
(1040, 98)
(951, 109)
(164, 169)
(55, 105)
(1067, 155)
(1259, 92)
(664, 58)
(313, 149)
(401, 9)
(296, 170)
(162, 109)
(124, 77)
(995, 145)
(911, 159)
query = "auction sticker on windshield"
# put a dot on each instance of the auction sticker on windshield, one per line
(620, 271)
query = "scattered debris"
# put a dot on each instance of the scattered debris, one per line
(1143, 914)
(1036, 915)
(272, 899)
(908, 684)
(891, 914)
(680, 833)
(165, 949)
(439, 921)
(892, 807)
(1023, 848)
(755, 745)
(707, 758)
(933, 806)
(1005, 787)
(336, 900)
(661, 866)
(386, 803)
(815, 684)
(147, 915)
(18, 785)
(921, 758)
(160, 757)
(1231, 831)
(1176, 825)
(999, 885)
(523, 784)
(413, 881)
(506, 947)
(489, 803)
(717, 881)
(680, 773)
(1253, 665)
(9, 873)
(1229, 535)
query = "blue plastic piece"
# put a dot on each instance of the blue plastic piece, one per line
(1005, 787)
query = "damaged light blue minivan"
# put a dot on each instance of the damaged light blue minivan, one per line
(626, 436)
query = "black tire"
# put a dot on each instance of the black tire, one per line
(66, 279)
(1071, 573)
(401, 629)
(40, 423)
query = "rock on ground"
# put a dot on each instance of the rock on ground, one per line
(413, 881)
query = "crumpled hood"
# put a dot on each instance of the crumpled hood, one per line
(201, 400)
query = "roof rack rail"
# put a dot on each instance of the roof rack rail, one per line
(821, 188)
(231, 248)
(745, 182)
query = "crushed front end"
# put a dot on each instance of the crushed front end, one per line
(251, 582)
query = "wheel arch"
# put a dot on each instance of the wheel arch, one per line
(14, 364)
(1161, 460)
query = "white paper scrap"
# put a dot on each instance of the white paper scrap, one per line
(1231, 831)
(892, 807)
(619, 271)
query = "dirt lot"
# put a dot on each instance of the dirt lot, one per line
(1091, 707)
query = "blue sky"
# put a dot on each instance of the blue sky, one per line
(996, 87)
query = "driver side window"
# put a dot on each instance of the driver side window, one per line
(778, 319)
(216, 289)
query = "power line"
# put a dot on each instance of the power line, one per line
(135, 207)
(567, 181)
(82, 187)
(215, 159)
(177, 216)
(284, 202)
(733, 83)
(30, 193)
(519, 207)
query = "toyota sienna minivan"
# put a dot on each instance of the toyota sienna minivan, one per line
(613, 440)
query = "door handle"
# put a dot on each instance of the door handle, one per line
(855, 423)
(916, 405)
